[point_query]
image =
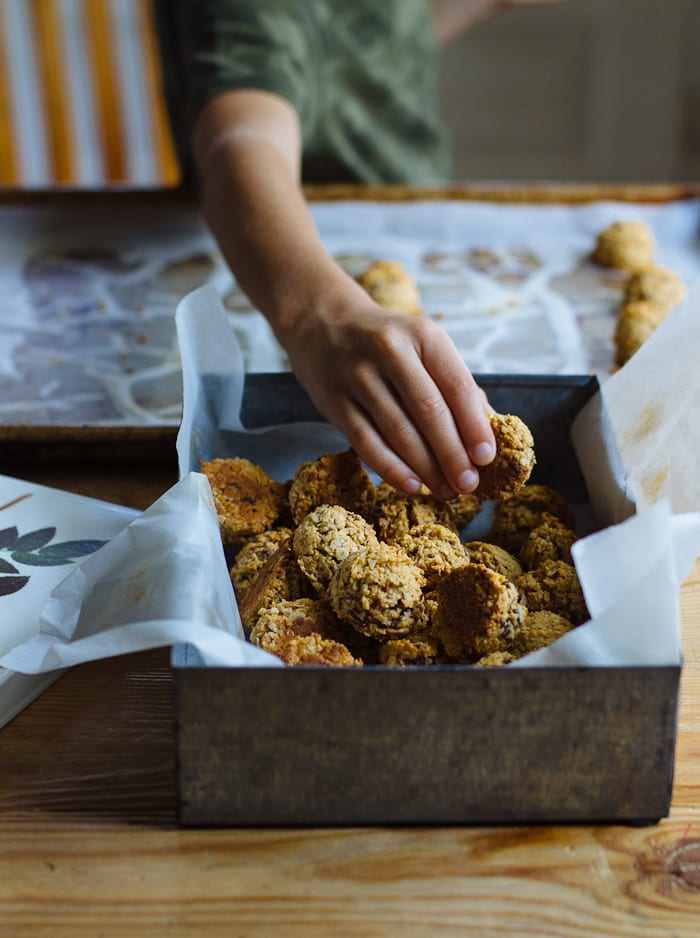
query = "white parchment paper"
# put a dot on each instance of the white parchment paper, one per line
(164, 580)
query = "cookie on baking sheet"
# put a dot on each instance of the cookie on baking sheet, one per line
(657, 285)
(390, 285)
(516, 515)
(636, 321)
(554, 587)
(478, 612)
(332, 479)
(514, 459)
(248, 500)
(325, 538)
(625, 245)
(379, 591)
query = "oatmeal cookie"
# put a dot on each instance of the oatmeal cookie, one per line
(494, 557)
(332, 479)
(663, 288)
(625, 245)
(429, 617)
(414, 650)
(435, 549)
(554, 587)
(514, 460)
(539, 630)
(279, 579)
(495, 660)
(379, 591)
(293, 617)
(464, 508)
(516, 515)
(397, 513)
(550, 540)
(478, 612)
(636, 321)
(384, 492)
(390, 286)
(312, 649)
(302, 631)
(251, 558)
(247, 499)
(326, 537)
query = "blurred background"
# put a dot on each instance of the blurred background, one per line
(582, 90)
(591, 90)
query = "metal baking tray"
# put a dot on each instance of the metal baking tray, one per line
(428, 745)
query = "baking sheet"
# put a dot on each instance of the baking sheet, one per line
(87, 333)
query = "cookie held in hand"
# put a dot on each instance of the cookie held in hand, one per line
(514, 459)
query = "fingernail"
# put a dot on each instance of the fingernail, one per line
(412, 486)
(448, 493)
(468, 481)
(483, 453)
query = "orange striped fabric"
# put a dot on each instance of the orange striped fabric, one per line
(81, 102)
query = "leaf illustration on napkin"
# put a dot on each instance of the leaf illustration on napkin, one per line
(8, 536)
(11, 584)
(54, 554)
(34, 539)
(34, 549)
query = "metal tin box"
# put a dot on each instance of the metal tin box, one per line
(440, 744)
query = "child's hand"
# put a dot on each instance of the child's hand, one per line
(396, 386)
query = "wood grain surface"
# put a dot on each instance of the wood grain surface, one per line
(90, 843)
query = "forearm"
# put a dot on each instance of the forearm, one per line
(393, 384)
(253, 203)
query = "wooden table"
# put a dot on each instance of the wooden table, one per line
(90, 844)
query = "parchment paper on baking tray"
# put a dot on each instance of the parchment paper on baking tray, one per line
(86, 323)
(164, 579)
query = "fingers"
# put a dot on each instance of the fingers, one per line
(340, 396)
(372, 448)
(448, 411)
(466, 401)
(369, 441)
(403, 397)
(381, 428)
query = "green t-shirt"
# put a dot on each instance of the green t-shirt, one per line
(360, 74)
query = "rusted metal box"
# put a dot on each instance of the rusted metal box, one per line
(428, 745)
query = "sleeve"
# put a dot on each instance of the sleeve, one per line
(222, 45)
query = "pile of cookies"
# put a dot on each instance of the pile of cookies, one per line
(649, 292)
(331, 569)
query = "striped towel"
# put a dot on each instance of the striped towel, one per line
(81, 103)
